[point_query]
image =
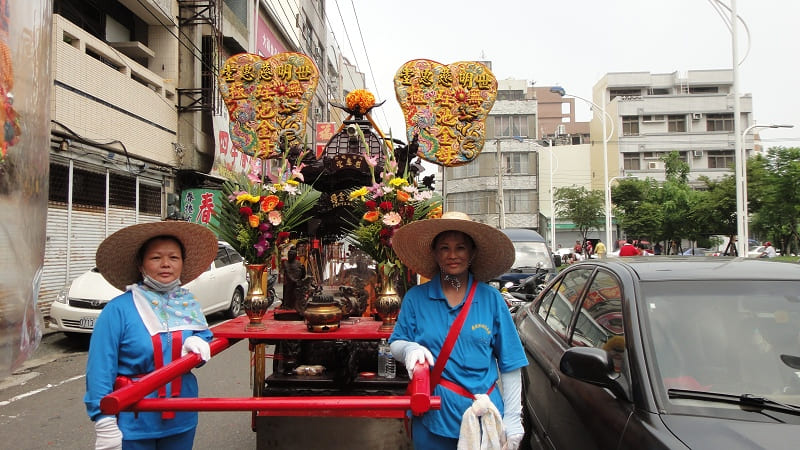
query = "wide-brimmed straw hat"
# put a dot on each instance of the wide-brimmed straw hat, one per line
(494, 252)
(116, 255)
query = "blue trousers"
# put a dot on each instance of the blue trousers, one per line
(423, 439)
(181, 441)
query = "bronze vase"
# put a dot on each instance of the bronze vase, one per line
(256, 301)
(388, 302)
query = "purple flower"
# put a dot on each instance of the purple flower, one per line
(261, 247)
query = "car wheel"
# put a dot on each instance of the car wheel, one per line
(235, 309)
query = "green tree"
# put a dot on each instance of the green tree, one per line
(635, 209)
(717, 212)
(675, 168)
(774, 196)
(581, 206)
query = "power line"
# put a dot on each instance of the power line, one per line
(366, 55)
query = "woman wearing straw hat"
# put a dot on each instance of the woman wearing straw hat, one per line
(154, 322)
(461, 327)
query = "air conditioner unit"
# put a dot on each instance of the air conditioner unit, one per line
(652, 165)
(696, 116)
(697, 153)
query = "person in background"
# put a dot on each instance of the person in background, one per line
(769, 251)
(657, 248)
(600, 249)
(628, 249)
(578, 248)
(154, 322)
(459, 255)
(589, 249)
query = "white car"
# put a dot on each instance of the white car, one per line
(220, 288)
(756, 252)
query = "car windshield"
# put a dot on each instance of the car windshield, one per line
(530, 254)
(736, 337)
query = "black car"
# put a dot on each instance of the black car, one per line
(664, 353)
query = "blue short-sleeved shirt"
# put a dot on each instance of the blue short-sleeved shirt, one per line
(121, 345)
(488, 341)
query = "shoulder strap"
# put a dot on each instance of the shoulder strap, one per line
(452, 335)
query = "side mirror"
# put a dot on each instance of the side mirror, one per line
(593, 366)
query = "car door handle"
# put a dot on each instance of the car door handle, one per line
(555, 380)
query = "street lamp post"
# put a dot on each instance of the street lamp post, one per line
(741, 176)
(501, 206)
(552, 200)
(606, 137)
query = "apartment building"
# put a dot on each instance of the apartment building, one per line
(654, 114)
(136, 118)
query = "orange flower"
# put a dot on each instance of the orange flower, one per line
(435, 213)
(254, 221)
(269, 202)
(360, 100)
(372, 216)
(403, 196)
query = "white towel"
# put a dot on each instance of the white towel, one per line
(482, 426)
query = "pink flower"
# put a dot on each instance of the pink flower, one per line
(391, 219)
(296, 172)
(275, 218)
(371, 161)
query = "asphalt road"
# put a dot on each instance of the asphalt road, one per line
(41, 404)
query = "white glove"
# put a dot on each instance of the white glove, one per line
(196, 344)
(411, 353)
(512, 442)
(417, 354)
(108, 435)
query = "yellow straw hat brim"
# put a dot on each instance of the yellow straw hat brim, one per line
(116, 255)
(494, 252)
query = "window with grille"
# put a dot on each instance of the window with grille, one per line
(516, 163)
(518, 201)
(630, 125)
(631, 161)
(469, 202)
(676, 123)
(149, 199)
(613, 93)
(511, 95)
(466, 170)
(88, 189)
(720, 159)
(510, 125)
(719, 122)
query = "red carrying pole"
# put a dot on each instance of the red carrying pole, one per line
(133, 392)
(131, 397)
(366, 406)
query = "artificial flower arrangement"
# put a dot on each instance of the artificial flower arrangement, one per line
(380, 209)
(257, 217)
(360, 101)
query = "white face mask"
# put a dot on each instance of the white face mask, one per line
(159, 286)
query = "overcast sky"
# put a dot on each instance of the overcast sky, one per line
(573, 43)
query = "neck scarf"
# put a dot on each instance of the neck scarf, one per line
(177, 309)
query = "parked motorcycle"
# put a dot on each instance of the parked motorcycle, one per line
(526, 290)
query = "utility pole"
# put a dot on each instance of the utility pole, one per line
(501, 206)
